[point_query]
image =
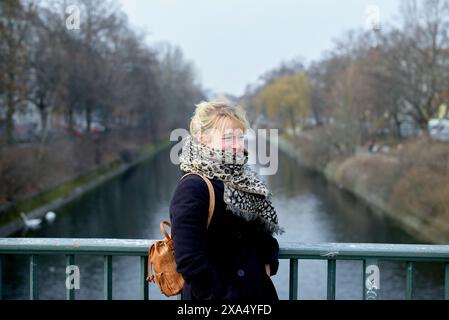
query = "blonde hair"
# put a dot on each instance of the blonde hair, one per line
(210, 114)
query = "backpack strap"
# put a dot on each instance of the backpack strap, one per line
(211, 195)
(150, 276)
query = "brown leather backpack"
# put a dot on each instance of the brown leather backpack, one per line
(161, 254)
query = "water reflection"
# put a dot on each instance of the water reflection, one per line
(132, 205)
(313, 210)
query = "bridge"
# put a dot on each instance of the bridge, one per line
(369, 253)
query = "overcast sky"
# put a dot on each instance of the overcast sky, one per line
(232, 42)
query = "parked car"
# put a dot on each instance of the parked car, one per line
(439, 129)
(95, 127)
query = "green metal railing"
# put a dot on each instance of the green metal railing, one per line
(370, 254)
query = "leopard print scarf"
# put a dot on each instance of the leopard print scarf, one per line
(245, 194)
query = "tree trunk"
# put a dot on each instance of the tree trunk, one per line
(70, 119)
(292, 119)
(9, 118)
(44, 119)
(88, 119)
(397, 126)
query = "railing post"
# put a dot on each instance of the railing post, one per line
(1, 277)
(293, 280)
(446, 281)
(34, 294)
(70, 292)
(143, 283)
(371, 279)
(409, 290)
(107, 269)
(331, 277)
(369, 254)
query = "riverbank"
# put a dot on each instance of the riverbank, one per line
(38, 205)
(408, 185)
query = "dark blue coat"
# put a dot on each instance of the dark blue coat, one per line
(225, 261)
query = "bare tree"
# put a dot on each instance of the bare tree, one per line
(417, 58)
(15, 22)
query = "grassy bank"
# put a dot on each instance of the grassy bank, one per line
(39, 204)
(408, 181)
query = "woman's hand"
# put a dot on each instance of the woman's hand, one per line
(267, 269)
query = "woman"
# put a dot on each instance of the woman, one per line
(233, 257)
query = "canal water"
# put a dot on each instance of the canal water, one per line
(131, 206)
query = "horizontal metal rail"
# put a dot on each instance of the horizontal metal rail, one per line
(369, 253)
